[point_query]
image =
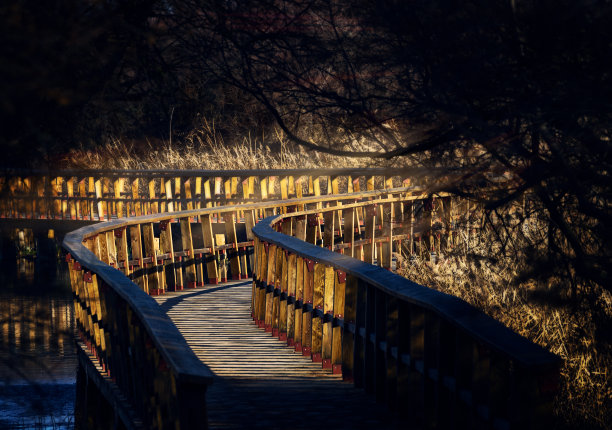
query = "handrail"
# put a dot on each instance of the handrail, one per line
(362, 320)
(107, 194)
(126, 330)
(394, 336)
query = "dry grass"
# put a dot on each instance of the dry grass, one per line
(206, 148)
(575, 332)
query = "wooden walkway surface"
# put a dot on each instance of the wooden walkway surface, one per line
(259, 381)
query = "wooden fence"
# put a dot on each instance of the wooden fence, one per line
(415, 348)
(108, 194)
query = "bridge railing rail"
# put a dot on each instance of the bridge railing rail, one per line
(433, 358)
(401, 341)
(100, 195)
(115, 266)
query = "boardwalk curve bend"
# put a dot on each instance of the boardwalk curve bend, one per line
(315, 272)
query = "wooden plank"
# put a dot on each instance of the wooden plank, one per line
(209, 242)
(328, 314)
(189, 263)
(238, 271)
(154, 281)
(166, 246)
(138, 274)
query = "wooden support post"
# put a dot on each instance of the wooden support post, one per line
(338, 327)
(122, 250)
(177, 195)
(187, 183)
(307, 307)
(282, 317)
(138, 274)
(189, 263)
(327, 319)
(238, 272)
(56, 191)
(136, 203)
(209, 242)
(328, 231)
(152, 206)
(299, 303)
(291, 295)
(370, 226)
(99, 196)
(269, 287)
(154, 281)
(169, 196)
(118, 190)
(166, 246)
(317, 317)
(198, 192)
(71, 200)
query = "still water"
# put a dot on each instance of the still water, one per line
(37, 357)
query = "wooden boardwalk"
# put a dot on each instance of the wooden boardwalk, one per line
(259, 381)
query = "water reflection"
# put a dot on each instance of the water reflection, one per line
(37, 356)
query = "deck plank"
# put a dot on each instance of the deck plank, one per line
(259, 382)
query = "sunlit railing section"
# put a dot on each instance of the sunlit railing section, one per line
(103, 195)
(434, 359)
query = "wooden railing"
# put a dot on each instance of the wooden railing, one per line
(434, 359)
(107, 194)
(403, 342)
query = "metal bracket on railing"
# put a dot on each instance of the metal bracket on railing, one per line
(163, 225)
(341, 277)
(87, 277)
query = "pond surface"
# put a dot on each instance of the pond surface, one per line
(37, 356)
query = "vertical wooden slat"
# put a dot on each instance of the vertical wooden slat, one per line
(137, 255)
(328, 316)
(189, 263)
(119, 203)
(317, 318)
(209, 242)
(152, 268)
(122, 250)
(231, 238)
(166, 246)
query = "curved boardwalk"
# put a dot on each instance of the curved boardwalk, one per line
(259, 381)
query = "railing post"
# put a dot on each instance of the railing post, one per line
(230, 219)
(166, 246)
(291, 297)
(152, 268)
(187, 243)
(137, 255)
(327, 318)
(299, 303)
(307, 307)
